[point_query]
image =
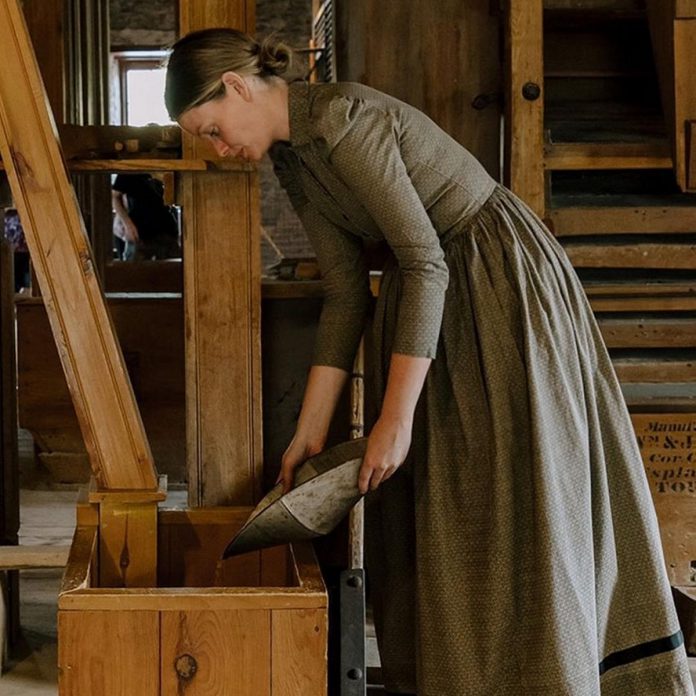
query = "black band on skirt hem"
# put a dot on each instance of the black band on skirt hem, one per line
(641, 651)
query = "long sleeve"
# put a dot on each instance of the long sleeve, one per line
(345, 278)
(366, 156)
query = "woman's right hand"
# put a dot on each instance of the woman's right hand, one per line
(299, 450)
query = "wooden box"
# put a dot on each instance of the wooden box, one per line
(255, 625)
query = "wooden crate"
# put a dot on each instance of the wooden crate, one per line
(253, 626)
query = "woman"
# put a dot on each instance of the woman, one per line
(515, 549)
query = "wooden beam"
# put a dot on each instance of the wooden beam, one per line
(524, 116)
(119, 452)
(579, 156)
(655, 370)
(648, 333)
(676, 256)
(23, 557)
(222, 297)
(569, 222)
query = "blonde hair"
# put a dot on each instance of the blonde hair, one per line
(198, 60)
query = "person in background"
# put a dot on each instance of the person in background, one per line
(15, 236)
(143, 221)
(512, 543)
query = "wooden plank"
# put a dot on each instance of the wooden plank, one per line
(580, 156)
(83, 561)
(676, 256)
(207, 653)
(524, 119)
(667, 445)
(222, 308)
(40, 556)
(127, 544)
(678, 303)
(648, 333)
(655, 370)
(569, 222)
(119, 453)
(451, 33)
(195, 598)
(108, 653)
(645, 288)
(299, 649)
(224, 418)
(685, 9)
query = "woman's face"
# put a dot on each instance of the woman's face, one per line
(236, 124)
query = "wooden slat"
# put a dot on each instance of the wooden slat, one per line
(678, 303)
(648, 333)
(569, 222)
(654, 370)
(119, 453)
(43, 556)
(676, 256)
(231, 651)
(197, 598)
(580, 156)
(109, 653)
(83, 560)
(524, 119)
(299, 641)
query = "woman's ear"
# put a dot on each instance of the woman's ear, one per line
(235, 82)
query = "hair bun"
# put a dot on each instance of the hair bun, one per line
(275, 57)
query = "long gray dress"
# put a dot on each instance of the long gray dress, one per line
(516, 552)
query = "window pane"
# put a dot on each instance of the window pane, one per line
(146, 97)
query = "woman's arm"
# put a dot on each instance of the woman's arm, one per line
(390, 437)
(324, 387)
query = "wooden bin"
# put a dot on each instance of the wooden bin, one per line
(255, 625)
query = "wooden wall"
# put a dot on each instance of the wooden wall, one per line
(437, 56)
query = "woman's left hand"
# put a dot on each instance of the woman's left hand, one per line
(387, 447)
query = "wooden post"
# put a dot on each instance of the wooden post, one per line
(524, 102)
(109, 418)
(222, 288)
(673, 32)
(9, 473)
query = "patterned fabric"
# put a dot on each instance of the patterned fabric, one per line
(516, 551)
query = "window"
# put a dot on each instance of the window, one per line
(140, 85)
